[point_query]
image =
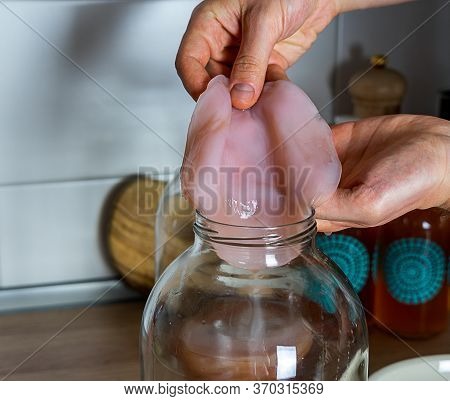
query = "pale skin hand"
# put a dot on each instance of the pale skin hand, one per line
(390, 166)
(240, 38)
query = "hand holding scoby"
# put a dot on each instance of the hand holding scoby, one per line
(265, 166)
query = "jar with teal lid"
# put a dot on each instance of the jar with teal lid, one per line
(253, 303)
(355, 251)
(411, 292)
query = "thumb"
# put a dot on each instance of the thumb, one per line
(249, 69)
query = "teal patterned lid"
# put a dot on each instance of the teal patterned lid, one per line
(349, 254)
(414, 270)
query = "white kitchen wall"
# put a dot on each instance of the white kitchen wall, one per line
(67, 136)
(50, 109)
(313, 72)
(50, 232)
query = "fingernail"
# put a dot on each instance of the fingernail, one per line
(242, 93)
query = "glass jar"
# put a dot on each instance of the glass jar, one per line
(444, 224)
(253, 303)
(355, 251)
(411, 290)
(173, 225)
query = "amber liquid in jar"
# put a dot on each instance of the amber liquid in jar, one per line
(445, 224)
(248, 349)
(355, 251)
(411, 290)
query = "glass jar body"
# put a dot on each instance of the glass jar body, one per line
(207, 319)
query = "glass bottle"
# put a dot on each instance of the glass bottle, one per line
(173, 225)
(253, 303)
(411, 291)
(355, 251)
(444, 224)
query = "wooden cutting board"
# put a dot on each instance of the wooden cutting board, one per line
(128, 229)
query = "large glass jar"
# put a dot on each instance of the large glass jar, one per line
(253, 303)
(411, 290)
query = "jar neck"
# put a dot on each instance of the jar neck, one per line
(300, 234)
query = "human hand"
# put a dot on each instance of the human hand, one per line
(240, 38)
(390, 166)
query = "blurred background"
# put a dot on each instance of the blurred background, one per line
(93, 121)
(89, 95)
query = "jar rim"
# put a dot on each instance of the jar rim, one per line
(208, 220)
(252, 236)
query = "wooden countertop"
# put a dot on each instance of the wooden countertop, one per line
(103, 344)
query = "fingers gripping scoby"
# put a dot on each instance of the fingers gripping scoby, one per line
(265, 166)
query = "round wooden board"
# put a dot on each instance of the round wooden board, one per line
(128, 229)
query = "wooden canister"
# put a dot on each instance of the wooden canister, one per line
(378, 91)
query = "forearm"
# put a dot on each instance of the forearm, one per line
(350, 5)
